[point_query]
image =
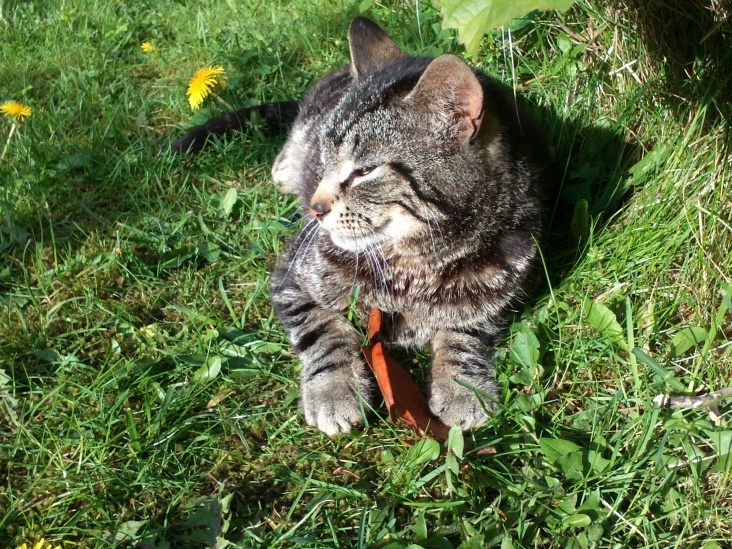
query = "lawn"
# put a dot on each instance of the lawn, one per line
(148, 395)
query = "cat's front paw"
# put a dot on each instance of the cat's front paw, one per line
(455, 404)
(285, 174)
(331, 405)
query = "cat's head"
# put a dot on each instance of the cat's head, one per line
(396, 150)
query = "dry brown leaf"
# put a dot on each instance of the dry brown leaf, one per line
(402, 397)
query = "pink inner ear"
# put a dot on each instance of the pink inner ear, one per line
(450, 87)
(466, 124)
(468, 113)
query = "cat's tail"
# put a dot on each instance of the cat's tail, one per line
(277, 116)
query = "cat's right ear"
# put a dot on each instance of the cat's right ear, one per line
(451, 95)
(370, 46)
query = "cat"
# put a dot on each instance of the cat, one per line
(425, 187)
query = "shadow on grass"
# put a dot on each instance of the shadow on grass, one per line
(690, 43)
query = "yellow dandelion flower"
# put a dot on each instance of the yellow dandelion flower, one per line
(203, 83)
(39, 545)
(147, 47)
(14, 109)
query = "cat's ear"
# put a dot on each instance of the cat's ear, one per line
(452, 95)
(370, 46)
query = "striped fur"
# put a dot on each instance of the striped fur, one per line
(425, 187)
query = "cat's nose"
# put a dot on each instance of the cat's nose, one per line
(319, 209)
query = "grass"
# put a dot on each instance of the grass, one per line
(148, 395)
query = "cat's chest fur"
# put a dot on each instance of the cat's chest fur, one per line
(423, 293)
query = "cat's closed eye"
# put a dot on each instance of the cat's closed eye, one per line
(359, 173)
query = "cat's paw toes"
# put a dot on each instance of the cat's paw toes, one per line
(457, 405)
(332, 408)
(284, 176)
(287, 188)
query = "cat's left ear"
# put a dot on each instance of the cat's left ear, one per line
(371, 47)
(452, 95)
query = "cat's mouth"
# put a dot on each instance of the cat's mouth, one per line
(357, 243)
(393, 231)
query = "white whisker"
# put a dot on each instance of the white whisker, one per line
(380, 267)
(309, 238)
(439, 230)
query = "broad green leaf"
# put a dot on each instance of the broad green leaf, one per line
(572, 465)
(722, 442)
(654, 158)
(555, 448)
(425, 450)
(727, 301)
(525, 347)
(419, 530)
(592, 503)
(527, 403)
(4, 379)
(17, 234)
(571, 458)
(132, 430)
(468, 529)
(437, 542)
(14, 301)
(208, 371)
(473, 18)
(455, 442)
(723, 447)
(128, 530)
(194, 360)
(74, 162)
(476, 542)
(568, 506)
(201, 116)
(48, 355)
(267, 347)
(227, 203)
(581, 220)
(598, 463)
(564, 43)
(686, 339)
(578, 520)
(173, 259)
(594, 533)
(209, 251)
(604, 321)
(243, 373)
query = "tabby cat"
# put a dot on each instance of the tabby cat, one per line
(424, 186)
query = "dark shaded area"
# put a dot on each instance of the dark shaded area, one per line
(690, 43)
